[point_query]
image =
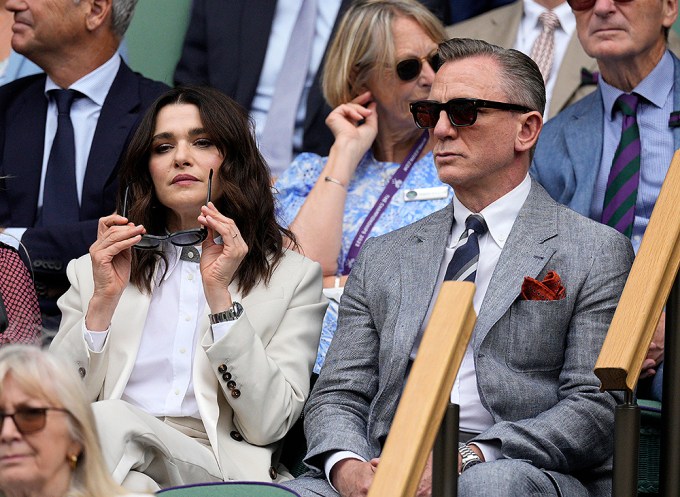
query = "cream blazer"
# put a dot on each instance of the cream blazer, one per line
(269, 353)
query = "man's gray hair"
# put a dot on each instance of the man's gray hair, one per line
(522, 81)
(121, 15)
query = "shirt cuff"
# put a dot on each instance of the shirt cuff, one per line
(12, 236)
(95, 339)
(490, 450)
(335, 458)
(221, 330)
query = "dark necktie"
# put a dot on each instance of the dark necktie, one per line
(621, 194)
(60, 194)
(463, 265)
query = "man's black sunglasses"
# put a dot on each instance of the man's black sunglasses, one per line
(409, 69)
(29, 419)
(577, 5)
(184, 238)
(461, 111)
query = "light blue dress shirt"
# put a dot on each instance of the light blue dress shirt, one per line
(656, 140)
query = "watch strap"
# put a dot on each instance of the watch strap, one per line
(468, 457)
(231, 314)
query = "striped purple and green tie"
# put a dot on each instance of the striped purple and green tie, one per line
(619, 198)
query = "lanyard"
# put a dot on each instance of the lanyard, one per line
(383, 201)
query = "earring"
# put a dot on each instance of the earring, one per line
(73, 461)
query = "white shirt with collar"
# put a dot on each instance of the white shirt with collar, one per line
(84, 116)
(161, 379)
(500, 217)
(282, 29)
(530, 29)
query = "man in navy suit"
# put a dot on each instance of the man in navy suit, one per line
(75, 44)
(576, 150)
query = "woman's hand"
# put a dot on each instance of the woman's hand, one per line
(355, 124)
(111, 254)
(219, 262)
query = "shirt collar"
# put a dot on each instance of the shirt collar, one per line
(94, 85)
(563, 12)
(499, 216)
(655, 88)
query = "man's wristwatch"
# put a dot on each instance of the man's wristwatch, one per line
(469, 458)
(231, 314)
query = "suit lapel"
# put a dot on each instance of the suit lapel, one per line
(569, 75)
(505, 24)
(418, 275)
(676, 99)
(24, 144)
(119, 114)
(524, 254)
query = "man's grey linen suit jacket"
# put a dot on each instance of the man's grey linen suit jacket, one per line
(534, 360)
(569, 150)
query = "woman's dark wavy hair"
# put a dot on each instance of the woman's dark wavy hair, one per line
(243, 179)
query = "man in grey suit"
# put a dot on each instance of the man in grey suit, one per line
(530, 405)
(575, 154)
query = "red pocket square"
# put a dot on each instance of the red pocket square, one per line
(549, 289)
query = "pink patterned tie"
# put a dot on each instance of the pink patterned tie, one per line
(544, 47)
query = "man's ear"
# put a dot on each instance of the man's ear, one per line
(99, 13)
(530, 126)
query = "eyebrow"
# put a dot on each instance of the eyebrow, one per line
(167, 135)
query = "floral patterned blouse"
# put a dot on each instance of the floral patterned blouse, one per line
(370, 178)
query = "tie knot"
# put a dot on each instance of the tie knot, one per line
(64, 99)
(627, 103)
(549, 21)
(476, 223)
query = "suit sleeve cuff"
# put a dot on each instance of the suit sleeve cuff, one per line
(335, 458)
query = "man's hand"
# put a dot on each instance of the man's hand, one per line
(425, 485)
(352, 477)
(655, 352)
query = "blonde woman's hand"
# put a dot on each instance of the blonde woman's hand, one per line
(219, 262)
(355, 124)
(111, 256)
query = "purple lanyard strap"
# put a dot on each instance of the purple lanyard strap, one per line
(383, 201)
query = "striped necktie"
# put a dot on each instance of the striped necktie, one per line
(619, 199)
(463, 265)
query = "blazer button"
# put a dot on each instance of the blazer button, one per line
(236, 436)
(273, 473)
(226, 376)
(236, 393)
(222, 368)
(231, 384)
(82, 372)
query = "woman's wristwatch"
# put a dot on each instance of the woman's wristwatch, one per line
(469, 458)
(231, 314)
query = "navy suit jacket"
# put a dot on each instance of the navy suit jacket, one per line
(23, 107)
(569, 149)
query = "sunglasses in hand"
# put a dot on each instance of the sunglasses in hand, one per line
(409, 69)
(460, 111)
(29, 419)
(184, 238)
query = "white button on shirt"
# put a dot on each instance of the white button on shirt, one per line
(161, 381)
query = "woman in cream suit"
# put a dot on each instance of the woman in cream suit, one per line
(198, 368)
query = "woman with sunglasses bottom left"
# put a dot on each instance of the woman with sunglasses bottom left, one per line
(199, 357)
(48, 439)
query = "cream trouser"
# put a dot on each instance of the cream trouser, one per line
(145, 453)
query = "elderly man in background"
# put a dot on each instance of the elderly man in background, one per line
(607, 156)
(63, 132)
